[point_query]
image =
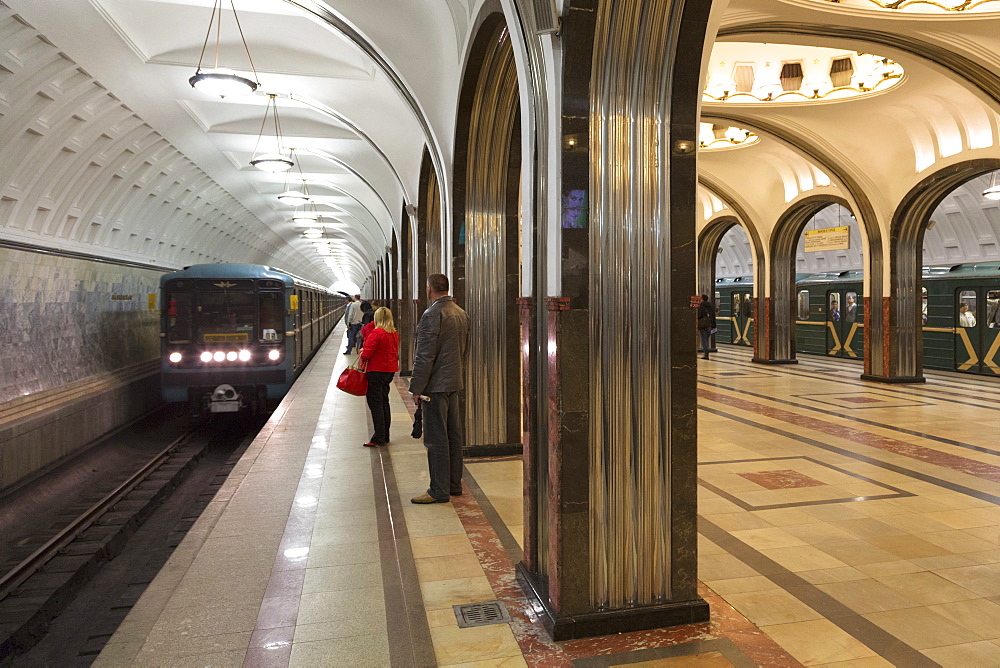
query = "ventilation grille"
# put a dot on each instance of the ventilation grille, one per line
(546, 16)
(481, 614)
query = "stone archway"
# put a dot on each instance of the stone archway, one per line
(708, 241)
(486, 274)
(906, 240)
(784, 240)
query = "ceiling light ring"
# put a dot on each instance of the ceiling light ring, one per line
(220, 81)
(271, 162)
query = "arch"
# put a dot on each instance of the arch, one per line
(486, 234)
(784, 241)
(901, 309)
(837, 168)
(708, 241)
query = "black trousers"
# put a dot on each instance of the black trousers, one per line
(378, 404)
(443, 439)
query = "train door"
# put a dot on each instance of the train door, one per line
(845, 320)
(741, 308)
(977, 330)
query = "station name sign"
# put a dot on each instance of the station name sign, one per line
(830, 238)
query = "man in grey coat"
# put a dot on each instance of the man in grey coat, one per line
(439, 359)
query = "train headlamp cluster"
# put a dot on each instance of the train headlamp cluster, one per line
(225, 356)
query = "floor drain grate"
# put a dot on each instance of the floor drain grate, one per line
(481, 614)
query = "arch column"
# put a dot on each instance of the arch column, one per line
(614, 541)
(485, 267)
(901, 313)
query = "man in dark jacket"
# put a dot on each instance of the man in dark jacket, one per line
(706, 323)
(439, 359)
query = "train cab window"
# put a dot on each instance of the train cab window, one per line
(851, 307)
(272, 326)
(803, 304)
(993, 309)
(737, 300)
(923, 306)
(179, 317)
(718, 303)
(225, 316)
(834, 306)
(967, 308)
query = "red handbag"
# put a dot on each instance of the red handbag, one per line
(353, 381)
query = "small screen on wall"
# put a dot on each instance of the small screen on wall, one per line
(574, 209)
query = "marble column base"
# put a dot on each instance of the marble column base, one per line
(588, 625)
(899, 379)
(759, 360)
(493, 450)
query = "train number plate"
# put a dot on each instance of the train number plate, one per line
(226, 338)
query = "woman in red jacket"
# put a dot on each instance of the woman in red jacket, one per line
(381, 354)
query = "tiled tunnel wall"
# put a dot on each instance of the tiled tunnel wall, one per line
(79, 355)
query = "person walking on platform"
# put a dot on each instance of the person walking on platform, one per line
(439, 361)
(353, 318)
(706, 324)
(381, 357)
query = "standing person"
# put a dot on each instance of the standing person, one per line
(965, 316)
(706, 323)
(381, 354)
(354, 318)
(439, 359)
(367, 317)
(852, 308)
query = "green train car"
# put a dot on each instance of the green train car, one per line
(734, 310)
(961, 315)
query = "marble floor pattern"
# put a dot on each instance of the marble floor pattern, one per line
(828, 537)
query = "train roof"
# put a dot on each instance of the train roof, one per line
(850, 276)
(233, 270)
(962, 270)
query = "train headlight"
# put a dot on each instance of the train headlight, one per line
(219, 356)
(274, 354)
(175, 358)
(244, 355)
(231, 356)
(206, 356)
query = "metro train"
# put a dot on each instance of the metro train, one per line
(235, 336)
(830, 315)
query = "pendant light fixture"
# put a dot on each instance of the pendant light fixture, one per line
(271, 162)
(219, 80)
(295, 197)
(993, 192)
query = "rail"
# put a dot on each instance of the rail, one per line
(24, 570)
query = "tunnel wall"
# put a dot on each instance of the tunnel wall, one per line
(79, 356)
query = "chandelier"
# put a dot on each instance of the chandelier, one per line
(217, 80)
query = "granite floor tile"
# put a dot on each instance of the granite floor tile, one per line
(818, 642)
(922, 628)
(926, 588)
(348, 576)
(771, 606)
(453, 645)
(367, 651)
(342, 628)
(866, 596)
(446, 593)
(448, 567)
(965, 655)
(981, 580)
(979, 615)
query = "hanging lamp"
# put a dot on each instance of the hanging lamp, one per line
(217, 80)
(295, 197)
(271, 162)
(993, 192)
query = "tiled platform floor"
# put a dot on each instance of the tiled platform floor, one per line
(829, 536)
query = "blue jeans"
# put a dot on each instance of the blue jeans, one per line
(352, 335)
(706, 340)
(444, 440)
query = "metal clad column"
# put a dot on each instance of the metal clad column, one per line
(492, 123)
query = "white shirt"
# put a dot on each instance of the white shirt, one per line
(966, 319)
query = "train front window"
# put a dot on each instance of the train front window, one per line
(179, 317)
(803, 304)
(225, 317)
(272, 327)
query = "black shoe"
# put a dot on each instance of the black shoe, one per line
(704, 357)
(456, 494)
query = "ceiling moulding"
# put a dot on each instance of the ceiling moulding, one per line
(314, 64)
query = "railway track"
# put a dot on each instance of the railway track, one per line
(42, 584)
